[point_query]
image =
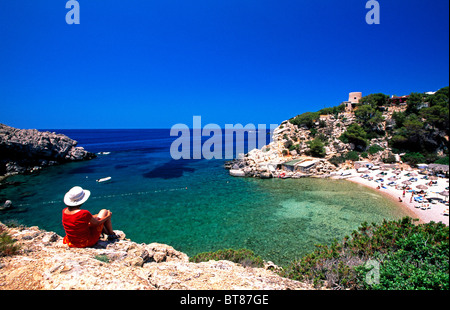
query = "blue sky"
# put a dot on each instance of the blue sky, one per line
(155, 63)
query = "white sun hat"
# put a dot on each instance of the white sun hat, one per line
(76, 196)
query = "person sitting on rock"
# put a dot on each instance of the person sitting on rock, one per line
(82, 228)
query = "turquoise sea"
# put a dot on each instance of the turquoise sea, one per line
(193, 205)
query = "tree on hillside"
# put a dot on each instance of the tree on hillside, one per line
(437, 114)
(306, 119)
(399, 118)
(370, 119)
(374, 100)
(316, 148)
(414, 103)
(355, 134)
(443, 91)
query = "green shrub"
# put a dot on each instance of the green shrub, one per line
(294, 147)
(374, 148)
(242, 256)
(355, 134)
(390, 159)
(332, 110)
(415, 265)
(352, 155)
(442, 160)
(306, 119)
(7, 244)
(288, 144)
(335, 160)
(410, 256)
(413, 158)
(103, 258)
(316, 148)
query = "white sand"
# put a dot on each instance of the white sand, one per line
(435, 213)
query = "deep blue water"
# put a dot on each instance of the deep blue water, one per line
(193, 205)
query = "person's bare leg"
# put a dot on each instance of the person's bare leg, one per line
(107, 225)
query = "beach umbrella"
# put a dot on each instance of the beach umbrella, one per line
(413, 174)
(433, 178)
(392, 179)
(444, 193)
(406, 182)
(422, 187)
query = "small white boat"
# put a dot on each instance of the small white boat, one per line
(104, 180)
(237, 173)
(104, 153)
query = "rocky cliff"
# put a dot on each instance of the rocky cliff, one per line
(44, 262)
(24, 150)
(291, 147)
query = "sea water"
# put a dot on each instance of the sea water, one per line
(193, 205)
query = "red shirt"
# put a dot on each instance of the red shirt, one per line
(79, 233)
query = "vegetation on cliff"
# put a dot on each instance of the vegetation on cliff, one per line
(244, 257)
(8, 245)
(417, 130)
(406, 257)
(422, 128)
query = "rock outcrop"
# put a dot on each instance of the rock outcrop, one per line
(44, 262)
(291, 142)
(26, 150)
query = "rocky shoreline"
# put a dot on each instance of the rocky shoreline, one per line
(276, 161)
(288, 155)
(45, 263)
(29, 150)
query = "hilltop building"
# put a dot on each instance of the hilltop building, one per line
(354, 97)
(398, 100)
(353, 100)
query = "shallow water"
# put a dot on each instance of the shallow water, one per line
(194, 205)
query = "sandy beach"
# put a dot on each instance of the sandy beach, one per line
(426, 211)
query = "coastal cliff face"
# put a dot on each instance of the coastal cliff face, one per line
(44, 262)
(263, 163)
(317, 148)
(26, 150)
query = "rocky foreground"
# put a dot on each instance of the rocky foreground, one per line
(27, 150)
(45, 263)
